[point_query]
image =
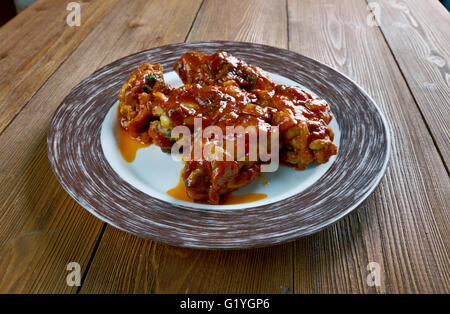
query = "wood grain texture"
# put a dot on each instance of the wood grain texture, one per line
(42, 229)
(127, 264)
(403, 226)
(240, 20)
(418, 33)
(177, 270)
(33, 46)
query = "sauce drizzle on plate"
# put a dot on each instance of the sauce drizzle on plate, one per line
(128, 145)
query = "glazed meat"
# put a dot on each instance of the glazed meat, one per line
(223, 91)
(303, 123)
(207, 181)
(221, 68)
(136, 95)
(303, 119)
(222, 107)
(219, 106)
(158, 109)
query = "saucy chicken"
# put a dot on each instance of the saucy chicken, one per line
(223, 91)
(221, 68)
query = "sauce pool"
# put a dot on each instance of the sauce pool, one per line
(179, 192)
(231, 199)
(128, 145)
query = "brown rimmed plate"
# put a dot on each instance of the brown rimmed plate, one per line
(76, 150)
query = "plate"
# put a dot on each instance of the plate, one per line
(83, 151)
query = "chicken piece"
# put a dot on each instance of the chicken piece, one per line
(221, 107)
(302, 118)
(135, 96)
(221, 68)
(205, 180)
(303, 124)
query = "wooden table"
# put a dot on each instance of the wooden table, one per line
(403, 226)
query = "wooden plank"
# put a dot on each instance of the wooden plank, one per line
(126, 264)
(41, 227)
(33, 46)
(251, 21)
(42, 231)
(403, 226)
(418, 33)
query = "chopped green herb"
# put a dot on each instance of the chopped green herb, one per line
(251, 79)
(150, 80)
(145, 89)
